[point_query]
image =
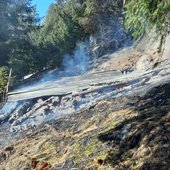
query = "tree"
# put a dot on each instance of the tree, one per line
(3, 79)
(144, 15)
(60, 32)
(17, 18)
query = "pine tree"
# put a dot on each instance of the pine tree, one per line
(17, 18)
(145, 15)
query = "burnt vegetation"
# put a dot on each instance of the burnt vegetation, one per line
(149, 131)
(125, 132)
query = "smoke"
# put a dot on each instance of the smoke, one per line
(78, 63)
(110, 36)
(73, 65)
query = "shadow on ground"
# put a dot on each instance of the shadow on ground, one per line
(142, 142)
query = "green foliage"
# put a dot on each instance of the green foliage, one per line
(67, 23)
(21, 60)
(27, 47)
(17, 18)
(60, 32)
(144, 15)
(95, 10)
(3, 78)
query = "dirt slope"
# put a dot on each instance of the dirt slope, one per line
(128, 132)
(123, 133)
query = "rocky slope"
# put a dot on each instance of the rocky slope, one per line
(121, 123)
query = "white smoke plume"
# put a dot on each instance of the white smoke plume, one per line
(79, 62)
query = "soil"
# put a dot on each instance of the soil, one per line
(128, 132)
(123, 133)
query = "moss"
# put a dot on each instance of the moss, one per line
(47, 151)
(88, 147)
(86, 151)
(103, 155)
(91, 148)
(90, 122)
(108, 126)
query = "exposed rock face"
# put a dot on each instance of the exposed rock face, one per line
(166, 53)
(124, 59)
(144, 63)
(151, 44)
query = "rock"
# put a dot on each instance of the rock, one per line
(166, 53)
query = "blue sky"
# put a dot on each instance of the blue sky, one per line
(42, 6)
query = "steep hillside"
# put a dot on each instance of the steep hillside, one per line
(128, 132)
(126, 128)
(107, 104)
